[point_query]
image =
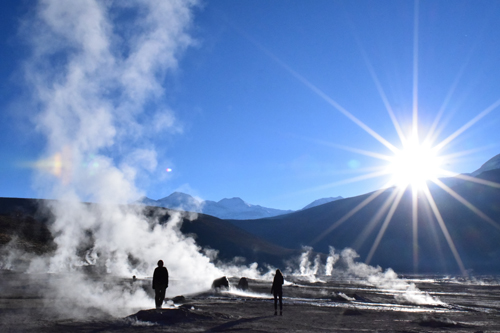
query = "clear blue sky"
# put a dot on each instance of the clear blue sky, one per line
(247, 122)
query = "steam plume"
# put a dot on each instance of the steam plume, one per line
(344, 265)
(96, 70)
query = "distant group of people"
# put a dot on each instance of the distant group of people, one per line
(160, 285)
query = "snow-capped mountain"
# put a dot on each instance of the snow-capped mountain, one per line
(234, 208)
(322, 202)
(182, 201)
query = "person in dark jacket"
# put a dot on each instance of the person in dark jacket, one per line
(160, 283)
(277, 291)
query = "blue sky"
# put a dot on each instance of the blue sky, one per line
(245, 120)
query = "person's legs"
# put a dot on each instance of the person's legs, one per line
(275, 303)
(162, 295)
(281, 302)
(159, 296)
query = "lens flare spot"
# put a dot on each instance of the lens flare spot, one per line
(59, 165)
(354, 164)
(168, 169)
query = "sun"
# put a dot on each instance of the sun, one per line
(414, 165)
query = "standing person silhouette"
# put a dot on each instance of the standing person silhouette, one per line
(160, 283)
(277, 290)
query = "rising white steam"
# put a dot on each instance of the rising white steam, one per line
(306, 267)
(96, 75)
(344, 265)
(97, 69)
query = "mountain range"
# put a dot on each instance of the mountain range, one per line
(237, 209)
(234, 208)
(458, 230)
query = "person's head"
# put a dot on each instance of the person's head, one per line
(160, 263)
(278, 272)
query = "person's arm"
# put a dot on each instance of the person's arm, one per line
(154, 278)
(167, 276)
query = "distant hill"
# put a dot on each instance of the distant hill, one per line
(492, 164)
(476, 240)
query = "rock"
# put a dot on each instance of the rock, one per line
(243, 284)
(219, 283)
(187, 306)
(179, 299)
(361, 298)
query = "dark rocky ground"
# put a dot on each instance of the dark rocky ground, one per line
(309, 307)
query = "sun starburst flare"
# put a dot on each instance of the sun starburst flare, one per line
(412, 167)
(415, 164)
